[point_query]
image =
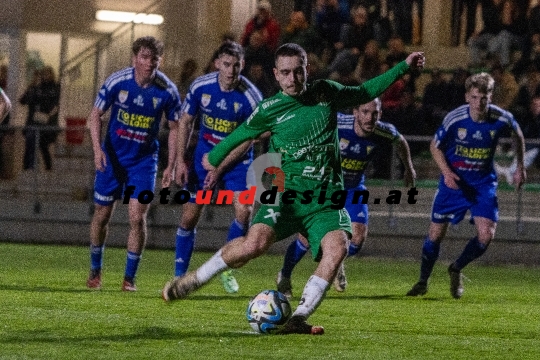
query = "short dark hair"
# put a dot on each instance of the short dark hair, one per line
(231, 48)
(149, 42)
(291, 49)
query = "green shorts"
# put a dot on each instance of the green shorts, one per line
(313, 221)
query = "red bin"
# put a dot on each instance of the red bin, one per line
(75, 128)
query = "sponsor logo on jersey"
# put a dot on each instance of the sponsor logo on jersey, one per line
(462, 133)
(156, 101)
(356, 149)
(134, 120)
(222, 104)
(343, 143)
(139, 101)
(272, 214)
(353, 164)
(270, 103)
(237, 107)
(129, 134)
(218, 124)
(252, 115)
(205, 99)
(284, 118)
(477, 135)
(122, 96)
(473, 153)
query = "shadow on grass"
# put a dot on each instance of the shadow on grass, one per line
(148, 333)
(31, 288)
(382, 297)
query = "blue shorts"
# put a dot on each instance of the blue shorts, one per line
(234, 179)
(109, 185)
(358, 212)
(451, 205)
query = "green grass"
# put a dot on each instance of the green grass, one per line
(47, 313)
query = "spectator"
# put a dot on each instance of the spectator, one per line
(435, 101)
(531, 46)
(266, 23)
(528, 89)
(315, 70)
(531, 130)
(299, 31)
(506, 87)
(42, 98)
(403, 22)
(486, 40)
(352, 39)
(187, 75)
(257, 53)
(370, 62)
(261, 80)
(456, 88)
(329, 17)
(396, 51)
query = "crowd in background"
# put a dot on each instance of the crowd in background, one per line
(356, 40)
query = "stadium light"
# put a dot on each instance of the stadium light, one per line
(127, 17)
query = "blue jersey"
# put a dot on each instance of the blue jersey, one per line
(136, 113)
(219, 112)
(356, 151)
(469, 146)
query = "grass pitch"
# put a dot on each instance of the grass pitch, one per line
(46, 312)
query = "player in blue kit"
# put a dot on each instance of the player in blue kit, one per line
(359, 136)
(220, 101)
(463, 148)
(126, 160)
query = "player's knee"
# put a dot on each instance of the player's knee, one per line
(102, 214)
(137, 221)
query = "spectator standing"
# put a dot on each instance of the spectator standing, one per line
(266, 23)
(43, 99)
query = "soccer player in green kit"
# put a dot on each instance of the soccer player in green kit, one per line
(303, 125)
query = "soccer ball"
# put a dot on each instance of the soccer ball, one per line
(268, 311)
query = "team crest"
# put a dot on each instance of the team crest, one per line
(205, 99)
(368, 149)
(462, 133)
(237, 107)
(343, 143)
(492, 133)
(122, 96)
(156, 102)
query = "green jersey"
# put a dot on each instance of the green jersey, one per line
(304, 129)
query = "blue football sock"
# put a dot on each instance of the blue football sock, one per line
(473, 250)
(132, 263)
(185, 241)
(430, 254)
(96, 257)
(295, 252)
(236, 230)
(354, 249)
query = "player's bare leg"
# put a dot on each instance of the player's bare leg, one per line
(238, 228)
(99, 227)
(233, 254)
(334, 249)
(473, 250)
(136, 241)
